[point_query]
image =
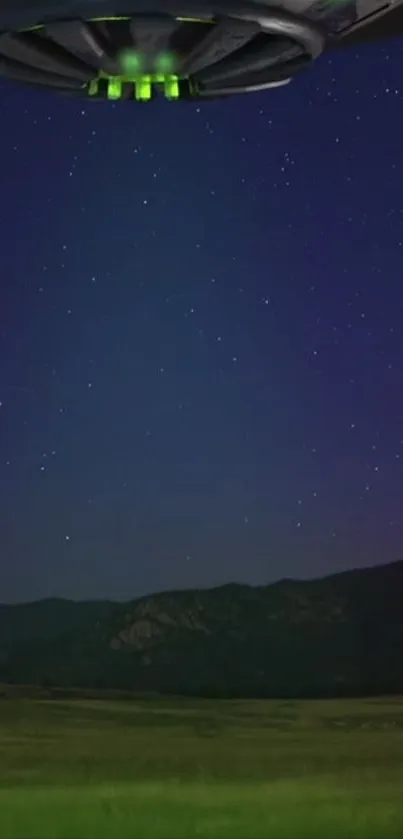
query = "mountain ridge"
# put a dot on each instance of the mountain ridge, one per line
(340, 634)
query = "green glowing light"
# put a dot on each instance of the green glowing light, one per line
(114, 88)
(130, 62)
(93, 87)
(143, 90)
(142, 85)
(171, 87)
(165, 62)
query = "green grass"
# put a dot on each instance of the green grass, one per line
(213, 769)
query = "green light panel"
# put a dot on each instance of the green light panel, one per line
(142, 86)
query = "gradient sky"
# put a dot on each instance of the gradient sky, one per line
(201, 323)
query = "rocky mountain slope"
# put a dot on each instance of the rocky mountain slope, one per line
(341, 635)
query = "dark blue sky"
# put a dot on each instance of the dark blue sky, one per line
(201, 318)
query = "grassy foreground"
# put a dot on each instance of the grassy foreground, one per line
(213, 769)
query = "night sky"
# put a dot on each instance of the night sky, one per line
(201, 323)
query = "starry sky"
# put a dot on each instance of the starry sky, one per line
(201, 335)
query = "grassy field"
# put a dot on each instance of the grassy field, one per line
(212, 769)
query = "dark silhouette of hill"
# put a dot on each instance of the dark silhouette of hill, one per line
(337, 636)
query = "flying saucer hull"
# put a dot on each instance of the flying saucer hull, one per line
(180, 50)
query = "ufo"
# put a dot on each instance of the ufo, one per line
(138, 50)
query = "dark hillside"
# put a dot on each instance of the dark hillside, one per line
(340, 635)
